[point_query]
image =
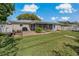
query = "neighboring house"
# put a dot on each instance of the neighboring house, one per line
(74, 27)
(30, 25)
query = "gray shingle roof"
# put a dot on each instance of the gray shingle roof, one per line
(30, 22)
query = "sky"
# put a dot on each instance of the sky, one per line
(49, 12)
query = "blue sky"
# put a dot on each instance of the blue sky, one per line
(48, 11)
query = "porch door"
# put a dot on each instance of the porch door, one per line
(32, 27)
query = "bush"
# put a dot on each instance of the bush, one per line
(38, 29)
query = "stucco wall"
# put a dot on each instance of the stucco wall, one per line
(16, 27)
(57, 27)
(5, 28)
(10, 27)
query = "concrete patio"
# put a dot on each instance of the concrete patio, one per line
(29, 33)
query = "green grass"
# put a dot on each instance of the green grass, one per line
(55, 43)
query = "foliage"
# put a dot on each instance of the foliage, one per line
(8, 46)
(65, 23)
(28, 17)
(38, 29)
(7, 43)
(6, 9)
(2, 34)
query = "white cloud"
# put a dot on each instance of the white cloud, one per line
(30, 8)
(65, 8)
(41, 17)
(54, 18)
(65, 18)
(61, 11)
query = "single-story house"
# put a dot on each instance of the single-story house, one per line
(30, 25)
(25, 25)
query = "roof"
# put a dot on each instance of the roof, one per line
(38, 22)
(29, 22)
(22, 21)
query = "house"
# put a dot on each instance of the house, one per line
(30, 25)
(70, 27)
(25, 25)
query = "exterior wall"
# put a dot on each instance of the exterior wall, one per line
(44, 26)
(10, 27)
(71, 27)
(16, 27)
(20, 27)
(1, 28)
(57, 27)
(75, 27)
(27, 26)
(5, 28)
(66, 27)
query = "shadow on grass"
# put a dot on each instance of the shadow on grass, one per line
(75, 48)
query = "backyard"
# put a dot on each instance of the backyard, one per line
(27, 33)
(56, 43)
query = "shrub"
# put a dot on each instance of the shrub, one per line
(38, 29)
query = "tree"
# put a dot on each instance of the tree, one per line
(6, 9)
(64, 23)
(7, 42)
(28, 17)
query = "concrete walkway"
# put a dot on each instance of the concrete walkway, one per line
(29, 33)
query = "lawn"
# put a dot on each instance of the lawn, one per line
(56, 43)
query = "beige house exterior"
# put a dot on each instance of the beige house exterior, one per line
(24, 25)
